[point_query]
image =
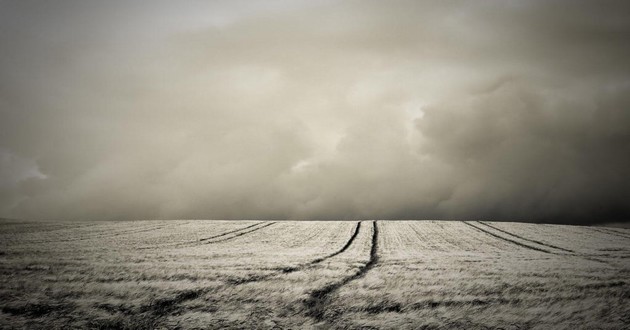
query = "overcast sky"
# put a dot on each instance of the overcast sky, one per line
(503, 110)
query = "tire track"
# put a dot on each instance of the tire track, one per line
(319, 299)
(526, 239)
(590, 258)
(161, 308)
(288, 270)
(508, 240)
(343, 249)
(229, 232)
(241, 233)
(199, 241)
(618, 231)
(609, 232)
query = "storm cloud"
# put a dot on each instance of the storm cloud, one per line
(502, 110)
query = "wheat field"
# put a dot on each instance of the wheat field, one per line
(193, 274)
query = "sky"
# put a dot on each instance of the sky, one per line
(315, 109)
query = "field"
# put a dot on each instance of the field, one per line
(290, 274)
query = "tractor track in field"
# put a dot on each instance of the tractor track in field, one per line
(526, 239)
(572, 254)
(240, 233)
(609, 232)
(319, 299)
(343, 249)
(158, 309)
(287, 270)
(507, 239)
(229, 232)
(347, 268)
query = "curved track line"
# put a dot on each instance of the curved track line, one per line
(230, 232)
(590, 258)
(209, 240)
(201, 240)
(609, 232)
(619, 231)
(319, 299)
(240, 234)
(526, 239)
(343, 249)
(508, 240)
(165, 306)
(287, 270)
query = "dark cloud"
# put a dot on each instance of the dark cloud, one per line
(508, 110)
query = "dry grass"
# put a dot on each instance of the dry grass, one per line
(253, 274)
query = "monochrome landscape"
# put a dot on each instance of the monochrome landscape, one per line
(313, 274)
(309, 138)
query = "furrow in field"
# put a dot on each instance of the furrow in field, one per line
(287, 270)
(343, 249)
(468, 302)
(526, 239)
(239, 234)
(572, 253)
(439, 236)
(507, 239)
(189, 234)
(225, 236)
(583, 241)
(456, 237)
(106, 234)
(166, 306)
(22, 228)
(230, 232)
(625, 232)
(405, 240)
(453, 268)
(275, 249)
(421, 271)
(609, 232)
(319, 299)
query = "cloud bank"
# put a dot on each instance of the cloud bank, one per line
(503, 110)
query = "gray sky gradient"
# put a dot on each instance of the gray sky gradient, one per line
(504, 110)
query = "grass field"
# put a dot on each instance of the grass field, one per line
(290, 274)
